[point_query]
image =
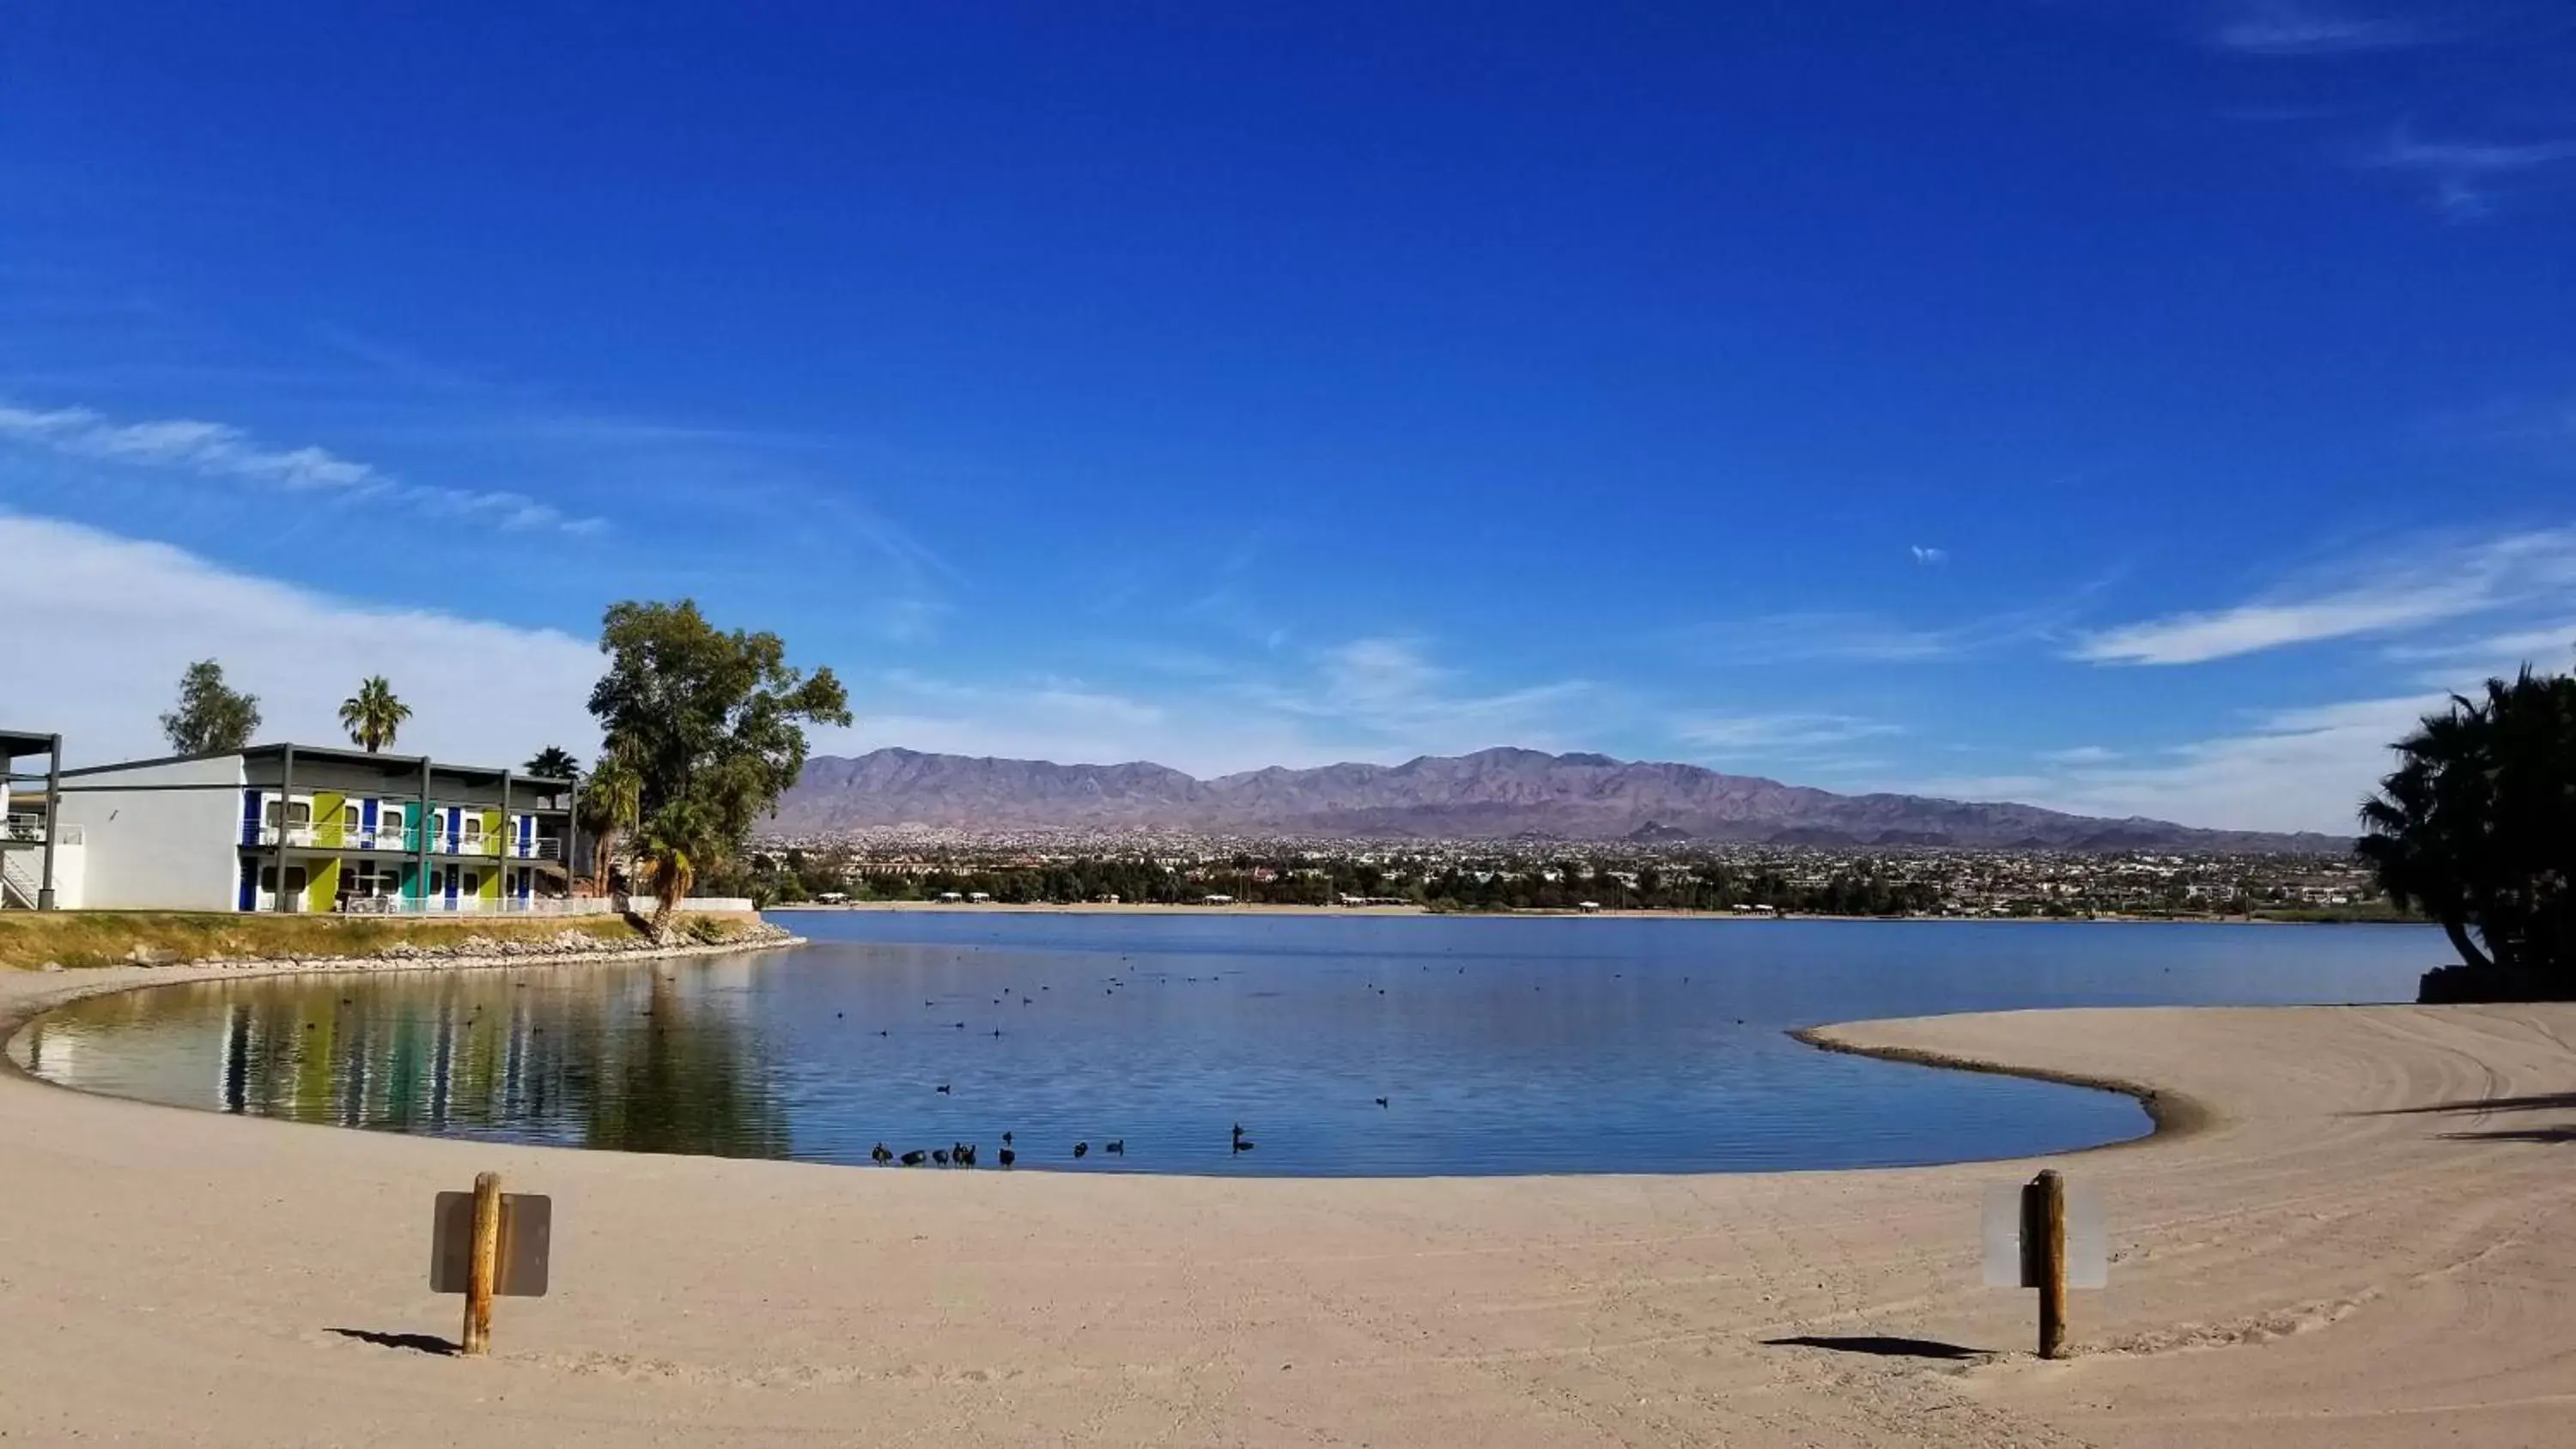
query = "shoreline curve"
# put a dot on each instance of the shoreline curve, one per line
(2171, 1115)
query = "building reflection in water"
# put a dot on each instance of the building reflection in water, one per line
(634, 1058)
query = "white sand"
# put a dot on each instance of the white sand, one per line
(2311, 1267)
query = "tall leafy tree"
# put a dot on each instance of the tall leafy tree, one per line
(373, 716)
(712, 723)
(2477, 828)
(212, 716)
(554, 762)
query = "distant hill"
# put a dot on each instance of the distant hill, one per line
(1489, 794)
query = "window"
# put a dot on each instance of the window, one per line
(349, 817)
(295, 880)
(474, 828)
(472, 884)
(299, 813)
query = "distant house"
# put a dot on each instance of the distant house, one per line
(977, 897)
(951, 897)
(830, 898)
(1216, 900)
(1587, 905)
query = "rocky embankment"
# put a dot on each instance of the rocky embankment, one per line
(693, 937)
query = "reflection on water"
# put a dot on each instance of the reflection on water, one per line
(648, 1060)
(1499, 1046)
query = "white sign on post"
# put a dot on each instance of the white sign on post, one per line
(2009, 1261)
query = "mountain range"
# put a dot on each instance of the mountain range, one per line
(1490, 794)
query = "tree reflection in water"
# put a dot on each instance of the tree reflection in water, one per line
(630, 1058)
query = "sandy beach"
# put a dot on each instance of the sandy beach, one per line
(2358, 1233)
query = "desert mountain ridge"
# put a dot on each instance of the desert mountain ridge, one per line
(1490, 794)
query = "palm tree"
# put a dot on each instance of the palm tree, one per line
(671, 844)
(2477, 828)
(554, 762)
(610, 805)
(372, 716)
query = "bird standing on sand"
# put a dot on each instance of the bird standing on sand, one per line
(939, 1155)
(913, 1158)
(1009, 1157)
(881, 1156)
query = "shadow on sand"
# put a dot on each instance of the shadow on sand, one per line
(1878, 1346)
(2549, 1102)
(416, 1342)
(2515, 1134)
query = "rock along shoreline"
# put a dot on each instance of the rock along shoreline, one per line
(564, 948)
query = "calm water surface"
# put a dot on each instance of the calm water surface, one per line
(1501, 1045)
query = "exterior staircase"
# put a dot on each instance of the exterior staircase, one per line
(17, 884)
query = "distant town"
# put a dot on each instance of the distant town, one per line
(1065, 868)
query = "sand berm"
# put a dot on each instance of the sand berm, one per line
(2358, 1231)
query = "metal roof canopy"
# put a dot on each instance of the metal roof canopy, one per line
(337, 756)
(15, 744)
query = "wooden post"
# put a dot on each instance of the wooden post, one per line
(2044, 1219)
(485, 1265)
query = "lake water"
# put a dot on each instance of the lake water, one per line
(1500, 1045)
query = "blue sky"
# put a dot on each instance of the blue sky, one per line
(2129, 407)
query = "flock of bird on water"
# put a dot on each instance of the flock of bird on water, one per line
(964, 1154)
(968, 1154)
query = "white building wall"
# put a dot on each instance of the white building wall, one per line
(71, 873)
(159, 848)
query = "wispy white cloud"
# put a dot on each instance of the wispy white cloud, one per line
(2290, 29)
(1787, 733)
(2546, 646)
(219, 450)
(2250, 628)
(1069, 701)
(911, 620)
(1930, 556)
(2465, 176)
(2082, 755)
(2430, 584)
(100, 627)
(2304, 768)
(1834, 636)
(1390, 687)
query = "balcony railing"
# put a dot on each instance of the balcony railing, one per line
(406, 839)
(30, 830)
(465, 905)
(477, 906)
